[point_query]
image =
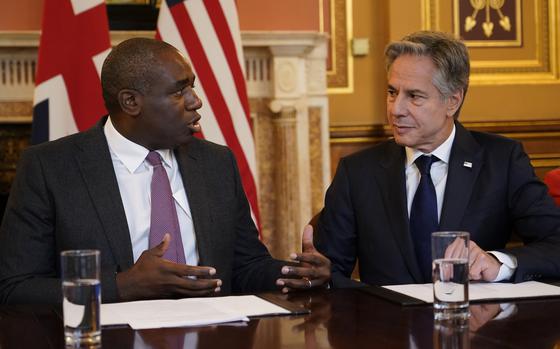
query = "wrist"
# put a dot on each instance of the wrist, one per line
(123, 289)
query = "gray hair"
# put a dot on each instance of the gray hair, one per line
(132, 64)
(449, 55)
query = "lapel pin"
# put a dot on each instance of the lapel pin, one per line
(467, 164)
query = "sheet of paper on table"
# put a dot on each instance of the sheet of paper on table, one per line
(483, 291)
(186, 312)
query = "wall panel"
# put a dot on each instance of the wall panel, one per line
(514, 90)
(540, 139)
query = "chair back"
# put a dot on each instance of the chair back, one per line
(552, 180)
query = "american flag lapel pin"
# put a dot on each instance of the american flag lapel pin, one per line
(467, 164)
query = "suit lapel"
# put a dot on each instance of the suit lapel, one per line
(190, 160)
(465, 162)
(393, 186)
(94, 161)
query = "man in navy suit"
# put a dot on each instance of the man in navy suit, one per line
(480, 183)
(91, 190)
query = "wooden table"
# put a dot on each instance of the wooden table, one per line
(338, 319)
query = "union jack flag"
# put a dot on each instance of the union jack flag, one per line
(207, 33)
(74, 43)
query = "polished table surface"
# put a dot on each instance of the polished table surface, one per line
(339, 319)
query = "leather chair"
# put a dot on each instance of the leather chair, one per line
(552, 180)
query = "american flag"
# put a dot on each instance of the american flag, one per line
(207, 33)
(74, 43)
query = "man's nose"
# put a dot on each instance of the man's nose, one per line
(193, 102)
(397, 106)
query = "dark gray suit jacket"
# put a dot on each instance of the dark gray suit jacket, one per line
(365, 215)
(66, 196)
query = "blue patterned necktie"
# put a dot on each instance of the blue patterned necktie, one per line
(164, 214)
(424, 216)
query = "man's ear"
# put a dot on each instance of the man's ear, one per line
(454, 102)
(130, 101)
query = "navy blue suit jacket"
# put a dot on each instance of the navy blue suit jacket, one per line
(365, 216)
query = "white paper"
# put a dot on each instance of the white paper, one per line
(186, 312)
(73, 313)
(450, 291)
(482, 291)
(248, 305)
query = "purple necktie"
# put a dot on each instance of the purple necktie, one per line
(164, 214)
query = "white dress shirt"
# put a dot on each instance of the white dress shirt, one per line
(438, 172)
(134, 176)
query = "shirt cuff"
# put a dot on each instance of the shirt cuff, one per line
(506, 311)
(509, 264)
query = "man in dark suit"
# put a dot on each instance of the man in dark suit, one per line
(92, 191)
(480, 183)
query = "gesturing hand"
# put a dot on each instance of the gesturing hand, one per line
(314, 269)
(154, 277)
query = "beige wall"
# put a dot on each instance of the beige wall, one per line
(253, 15)
(279, 15)
(21, 15)
(489, 100)
(366, 105)
(380, 21)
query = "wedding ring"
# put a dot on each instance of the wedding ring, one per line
(309, 285)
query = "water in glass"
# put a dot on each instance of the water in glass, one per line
(81, 302)
(451, 288)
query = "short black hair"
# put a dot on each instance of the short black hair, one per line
(130, 65)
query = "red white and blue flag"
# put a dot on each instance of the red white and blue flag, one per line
(74, 43)
(207, 33)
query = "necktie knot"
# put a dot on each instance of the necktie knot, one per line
(424, 163)
(154, 158)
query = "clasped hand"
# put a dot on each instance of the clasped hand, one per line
(313, 269)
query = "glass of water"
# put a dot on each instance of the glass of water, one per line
(450, 274)
(451, 336)
(81, 292)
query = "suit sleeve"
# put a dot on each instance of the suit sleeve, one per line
(254, 269)
(536, 220)
(336, 231)
(28, 261)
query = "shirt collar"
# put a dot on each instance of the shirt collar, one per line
(131, 154)
(442, 152)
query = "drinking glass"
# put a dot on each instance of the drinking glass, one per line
(450, 275)
(451, 335)
(81, 292)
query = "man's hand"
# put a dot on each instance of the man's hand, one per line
(314, 268)
(320, 307)
(482, 266)
(481, 314)
(154, 277)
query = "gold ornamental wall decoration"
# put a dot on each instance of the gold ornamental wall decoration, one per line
(487, 25)
(488, 22)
